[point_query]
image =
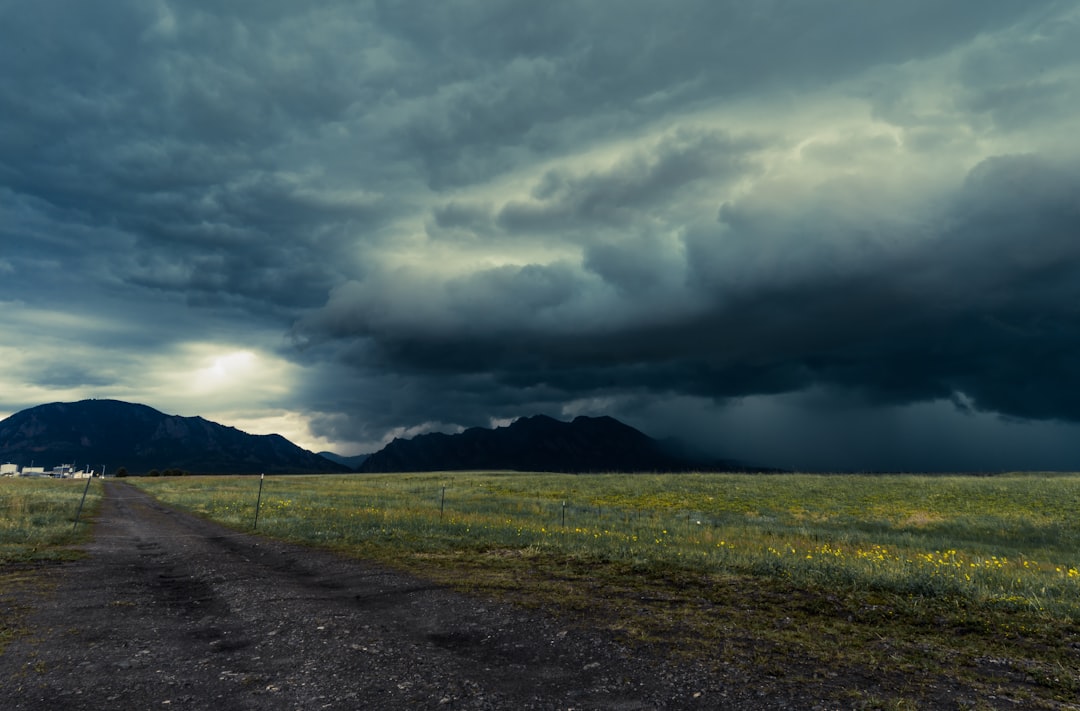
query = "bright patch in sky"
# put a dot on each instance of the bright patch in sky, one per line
(229, 370)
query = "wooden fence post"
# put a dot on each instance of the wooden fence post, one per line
(258, 502)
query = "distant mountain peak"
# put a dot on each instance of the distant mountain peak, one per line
(537, 443)
(139, 438)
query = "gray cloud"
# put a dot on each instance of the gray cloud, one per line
(399, 216)
(629, 190)
(523, 87)
(983, 307)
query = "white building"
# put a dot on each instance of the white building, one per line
(64, 471)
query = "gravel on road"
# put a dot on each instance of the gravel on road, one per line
(169, 611)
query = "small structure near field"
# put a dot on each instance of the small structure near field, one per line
(64, 471)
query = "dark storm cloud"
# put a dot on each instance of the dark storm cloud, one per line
(627, 191)
(986, 307)
(168, 125)
(409, 215)
(551, 70)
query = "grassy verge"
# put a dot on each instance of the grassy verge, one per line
(37, 518)
(37, 527)
(875, 591)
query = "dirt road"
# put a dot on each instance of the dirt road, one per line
(172, 612)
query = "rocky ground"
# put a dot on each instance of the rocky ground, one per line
(172, 612)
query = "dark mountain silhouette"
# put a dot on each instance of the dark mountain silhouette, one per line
(350, 461)
(541, 444)
(140, 439)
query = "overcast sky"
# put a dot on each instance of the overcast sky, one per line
(817, 234)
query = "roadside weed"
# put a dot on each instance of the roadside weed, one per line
(36, 517)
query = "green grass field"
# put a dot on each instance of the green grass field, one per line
(800, 579)
(1008, 541)
(37, 517)
(819, 581)
(37, 526)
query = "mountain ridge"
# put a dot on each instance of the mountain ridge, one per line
(539, 443)
(115, 434)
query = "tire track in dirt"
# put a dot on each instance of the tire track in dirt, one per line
(171, 611)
